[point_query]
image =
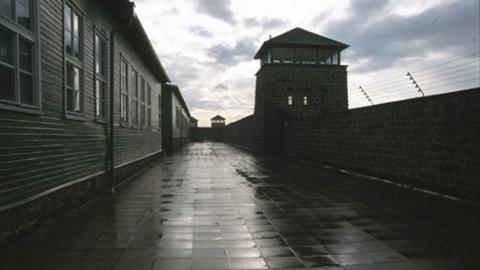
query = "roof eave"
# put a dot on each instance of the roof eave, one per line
(267, 45)
(178, 94)
(155, 63)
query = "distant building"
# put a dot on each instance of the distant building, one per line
(213, 133)
(175, 119)
(193, 122)
(218, 122)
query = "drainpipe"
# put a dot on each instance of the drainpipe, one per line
(111, 124)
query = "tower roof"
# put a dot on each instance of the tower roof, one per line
(218, 117)
(299, 36)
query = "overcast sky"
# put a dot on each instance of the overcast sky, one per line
(207, 46)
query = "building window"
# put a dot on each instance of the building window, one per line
(100, 77)
(305, 101)
(123, 91)
(142, 102)
(283, 55)
(18, 55)
(177, 117)
(73, 45)
(290, 100)
(149, 106)
(328, 57)
(305, 55)
(134, 87)
(160, 111)
(335, 58)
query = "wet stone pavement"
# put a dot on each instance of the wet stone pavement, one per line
(213, 206)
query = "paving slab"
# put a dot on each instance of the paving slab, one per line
(215, 206)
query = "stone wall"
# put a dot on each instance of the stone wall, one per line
(431, 142)
(241, 133)
(201, 134)
(324, 87)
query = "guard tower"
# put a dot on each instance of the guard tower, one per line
(218, 122)
(300, 74)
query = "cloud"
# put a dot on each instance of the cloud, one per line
(172, 11)
(231, 55)
(366, 8)
(199, 31)
(207, 104)
(207, 43)
(181, 68)
(218, 9)
(264, 23)
(380, 43)
(220, 87)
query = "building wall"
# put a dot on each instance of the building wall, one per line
(134, 141)
(325, 87)
(180, 120)
(175, 120)
(49, 163)
(430, 142)
(241, 132)
(181, 125)
(202, 134)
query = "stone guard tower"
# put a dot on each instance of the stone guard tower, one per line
(218, 122)
(300, 75)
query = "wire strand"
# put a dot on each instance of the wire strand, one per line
(445, 63)
(448, 67)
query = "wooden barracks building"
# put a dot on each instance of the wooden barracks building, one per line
(80, 104)
(176, 125)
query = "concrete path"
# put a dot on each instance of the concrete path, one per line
(213, 206)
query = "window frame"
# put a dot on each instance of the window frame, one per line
(290, 101)
(148, 106)
(143, 108)
(159, 107)
(135, 97)
(283, 55)
(103, 78)
(79, 63)
(33, 36)
(328, 56)
(177, 117)
(124, 92)
(302, 56)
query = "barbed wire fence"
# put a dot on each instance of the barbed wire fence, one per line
(450, 76)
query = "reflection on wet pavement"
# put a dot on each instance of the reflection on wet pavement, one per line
(213, 206)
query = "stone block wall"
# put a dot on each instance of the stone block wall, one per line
(241, 133)
(201, 134)
(431, 142)
(324, 87)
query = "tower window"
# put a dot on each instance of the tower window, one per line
(328, 57)
(283, 55)
(290, 100)
(305, 101)
(305, 55)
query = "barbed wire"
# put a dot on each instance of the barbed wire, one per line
(462, 72)
(433, 67)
